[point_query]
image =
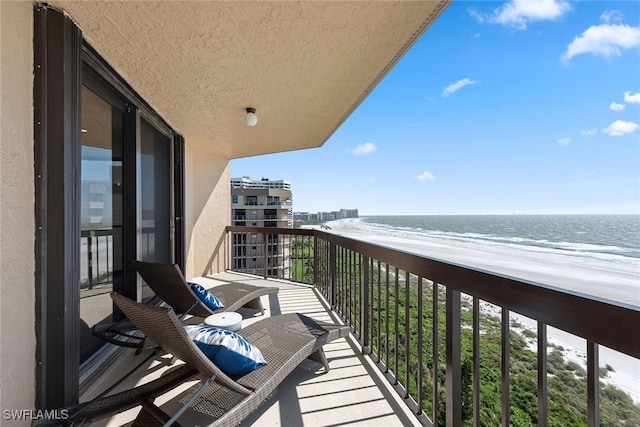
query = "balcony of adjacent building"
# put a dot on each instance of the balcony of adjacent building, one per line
(261, 218)
(493, 362)
(252, 203)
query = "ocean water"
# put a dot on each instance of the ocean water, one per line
(614, 238)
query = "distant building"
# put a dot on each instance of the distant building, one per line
(306, 217)
(262, 203)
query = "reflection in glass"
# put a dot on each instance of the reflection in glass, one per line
(155, 198)
(101, 213)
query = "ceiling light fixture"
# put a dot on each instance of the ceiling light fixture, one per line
(251, 119)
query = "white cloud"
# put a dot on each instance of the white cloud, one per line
(425, 176)
(619, 128)
(518, 13)
(632, 98)
(564, 141)
(616, 107)
(589, 132)
(605, 40)
(363, 149)
(454, 87)
(611, 16)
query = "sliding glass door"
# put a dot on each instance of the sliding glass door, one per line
(155, 236)
(126, 204)
(101, 214)
(108, 190)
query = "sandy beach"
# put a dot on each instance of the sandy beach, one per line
(613, 281)
(609, 280)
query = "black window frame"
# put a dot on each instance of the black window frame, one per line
(62, 61)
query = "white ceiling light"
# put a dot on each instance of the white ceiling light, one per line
(251, 119)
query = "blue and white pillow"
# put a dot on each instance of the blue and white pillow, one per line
(233, 354)
(207, 298)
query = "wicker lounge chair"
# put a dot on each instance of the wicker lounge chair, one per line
(168, 283)
(284, 340)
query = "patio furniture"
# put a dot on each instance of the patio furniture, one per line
(284, 340)
(229, 320)
(169, 284)
(167, 281)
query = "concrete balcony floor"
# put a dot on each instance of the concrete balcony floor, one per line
(353, 393)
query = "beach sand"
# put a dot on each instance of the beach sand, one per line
(608, 280)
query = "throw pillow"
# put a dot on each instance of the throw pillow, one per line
(230, 352)
(207, 298)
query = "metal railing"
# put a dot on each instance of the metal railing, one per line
(98, 251)
(393, 299)
(259, 203)
(262, 218)
(97, 263)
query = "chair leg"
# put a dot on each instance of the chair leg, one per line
(256, 304)
(196, 395)
(320, 357)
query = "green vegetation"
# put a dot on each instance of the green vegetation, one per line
(301, 259)
(393, 297)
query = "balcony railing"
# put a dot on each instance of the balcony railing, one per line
(97, 254)
(260, 203)
(262, 218)
(423, 321)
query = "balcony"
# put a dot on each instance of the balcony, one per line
(239, 204)
(392, 298)
(385, 374)
(353, 391)
(262, 218)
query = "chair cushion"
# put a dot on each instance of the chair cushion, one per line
(211, 301)
(230, 352)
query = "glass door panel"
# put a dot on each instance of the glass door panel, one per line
(155, 212)
(101, 213)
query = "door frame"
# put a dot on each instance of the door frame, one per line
(62, 59)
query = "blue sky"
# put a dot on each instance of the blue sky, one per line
(501, 107)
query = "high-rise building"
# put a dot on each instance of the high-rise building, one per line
(261, 203)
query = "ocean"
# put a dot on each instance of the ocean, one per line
(595, 255)
(612, 238)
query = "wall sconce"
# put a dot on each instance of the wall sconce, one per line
(251, 119)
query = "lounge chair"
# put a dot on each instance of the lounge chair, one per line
(284, 340)
(168, 283)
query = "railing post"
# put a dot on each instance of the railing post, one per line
(364, 308)
(436, 351)
(90, 260)
(593, 385)
(227, 249)
(506, 399)
(98, 258)
(419, 372)
(476, 363)
(333, 269)
(264, 255)
(316, 268)
(542, 374)
(454, 380)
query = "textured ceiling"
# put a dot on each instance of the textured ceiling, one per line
(304, 66)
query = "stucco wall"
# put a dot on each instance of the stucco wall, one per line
(208, 212)
(17, 290)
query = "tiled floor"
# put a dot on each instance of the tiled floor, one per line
(352, 393)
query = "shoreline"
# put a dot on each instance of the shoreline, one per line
(560, 271)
